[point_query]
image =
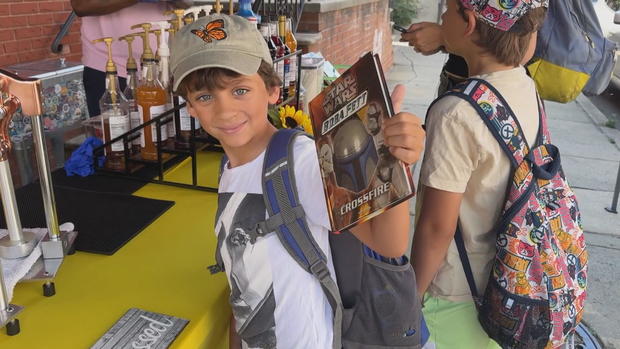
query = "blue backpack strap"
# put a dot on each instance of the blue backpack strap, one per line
(218, 267)
(288, 219)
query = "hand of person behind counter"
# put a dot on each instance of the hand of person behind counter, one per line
(424, 37)
(103, 7)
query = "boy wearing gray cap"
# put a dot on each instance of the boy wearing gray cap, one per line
(222, 67)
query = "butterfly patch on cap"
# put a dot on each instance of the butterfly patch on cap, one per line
(214, 30)
(502, 14)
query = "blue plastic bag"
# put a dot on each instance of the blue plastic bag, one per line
(82, 160)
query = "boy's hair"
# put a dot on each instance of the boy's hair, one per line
(509, 47)
(217, 78)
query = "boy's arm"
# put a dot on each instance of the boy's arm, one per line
(234, 342)
(434, 233)
(388, 233)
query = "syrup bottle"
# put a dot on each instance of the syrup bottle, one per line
(163, 51)
(135, 119)
(114, 114)
(151, 98)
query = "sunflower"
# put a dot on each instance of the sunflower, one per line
(291, 118)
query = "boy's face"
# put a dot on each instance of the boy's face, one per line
(453, 27)
(237, 114)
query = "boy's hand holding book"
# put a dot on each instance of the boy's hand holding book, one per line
(403, 132)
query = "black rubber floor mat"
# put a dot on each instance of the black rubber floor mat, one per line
(105, 221)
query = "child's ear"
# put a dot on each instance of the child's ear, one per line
(471, 22)
(274, 95)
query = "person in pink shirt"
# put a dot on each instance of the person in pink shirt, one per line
(113, 18)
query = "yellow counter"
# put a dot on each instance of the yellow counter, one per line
(163, 269)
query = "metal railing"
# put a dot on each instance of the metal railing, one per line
(56, 45)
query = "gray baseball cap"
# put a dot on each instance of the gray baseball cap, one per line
(217, 41)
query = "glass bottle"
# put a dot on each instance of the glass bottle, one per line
(163, 51)
(151, 99)
(291, 43)
(264, 30)
(287, 61)
(114, 114)
(130, 92)
(279, 66)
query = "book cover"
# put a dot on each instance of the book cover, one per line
(360, 176)
(141, 329)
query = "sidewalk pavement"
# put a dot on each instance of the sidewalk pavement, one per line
(590, 154)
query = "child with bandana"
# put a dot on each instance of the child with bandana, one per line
(465, 173)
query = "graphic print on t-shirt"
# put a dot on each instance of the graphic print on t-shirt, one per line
(251, 297)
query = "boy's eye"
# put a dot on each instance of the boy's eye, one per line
(204, 98)
(240, 91)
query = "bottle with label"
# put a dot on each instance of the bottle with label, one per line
(163, 51)
(286, 75)
(291, 43)
(135, 119)
(114, 114)
(279, 66)
(264, 30)
(151, 98)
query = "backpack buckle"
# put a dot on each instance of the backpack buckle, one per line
(259, 231)
(319, 270)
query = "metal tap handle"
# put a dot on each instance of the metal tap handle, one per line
(7, 110)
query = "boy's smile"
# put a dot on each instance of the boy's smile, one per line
(236, 115)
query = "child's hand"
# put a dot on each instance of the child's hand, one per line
(403, 132)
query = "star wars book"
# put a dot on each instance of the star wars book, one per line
(360, 176)
(141, 329)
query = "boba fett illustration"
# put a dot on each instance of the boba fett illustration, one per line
(354, 156)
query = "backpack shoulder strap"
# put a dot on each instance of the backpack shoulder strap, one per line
(497, 116)
(287, 217)
(218, 267)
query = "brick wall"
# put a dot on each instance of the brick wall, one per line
(349, 32)
(27, 29)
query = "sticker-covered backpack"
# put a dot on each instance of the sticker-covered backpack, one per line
(537, 288)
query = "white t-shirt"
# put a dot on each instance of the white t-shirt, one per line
(263, 274)
(463, 157)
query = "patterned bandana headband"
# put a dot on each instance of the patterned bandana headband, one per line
(502, 14)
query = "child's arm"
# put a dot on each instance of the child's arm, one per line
(234, 342)
(388, 233)
(434, 233)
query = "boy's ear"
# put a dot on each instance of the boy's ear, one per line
(274, 95)
(471, 22)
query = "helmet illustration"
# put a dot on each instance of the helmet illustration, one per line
(355, 156)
